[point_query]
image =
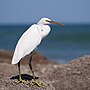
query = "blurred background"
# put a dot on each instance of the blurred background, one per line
(63, 43)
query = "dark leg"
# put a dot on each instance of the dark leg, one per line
(31, 67)
(34, 82)
(19, 71)
(20, 79)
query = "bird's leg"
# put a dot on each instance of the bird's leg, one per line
(34, 82)
(31, 68)
(20, 79)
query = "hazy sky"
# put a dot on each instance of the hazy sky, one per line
(27, 11)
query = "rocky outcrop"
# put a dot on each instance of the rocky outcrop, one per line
(72, 76)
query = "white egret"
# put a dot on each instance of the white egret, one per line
(29, 41)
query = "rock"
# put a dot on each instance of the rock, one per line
(72, 76)
(9, 73)
(6, 57)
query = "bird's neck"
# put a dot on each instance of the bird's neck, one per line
(44, 26)
(44, 30)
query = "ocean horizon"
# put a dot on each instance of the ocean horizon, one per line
(61, 45)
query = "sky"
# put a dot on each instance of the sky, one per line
(30, 11)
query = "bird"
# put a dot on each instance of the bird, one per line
(29, 41)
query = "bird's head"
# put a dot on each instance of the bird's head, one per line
(46, 21)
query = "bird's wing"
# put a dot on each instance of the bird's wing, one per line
(27, 43)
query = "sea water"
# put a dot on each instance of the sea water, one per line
(62, 44)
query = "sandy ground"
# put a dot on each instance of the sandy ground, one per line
(72, 76)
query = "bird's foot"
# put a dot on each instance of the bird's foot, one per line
(38, 84)
(22, 81)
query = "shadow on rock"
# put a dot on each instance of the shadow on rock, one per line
(24, 77)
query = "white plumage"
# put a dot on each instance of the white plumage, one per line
(28, 42)
(31, 39)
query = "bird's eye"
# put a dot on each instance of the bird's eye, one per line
(41, 30)
(46, 20)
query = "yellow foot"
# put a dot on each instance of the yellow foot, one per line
(22, 81)
(38, 84)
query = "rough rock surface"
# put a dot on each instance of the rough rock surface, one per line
(72, 76)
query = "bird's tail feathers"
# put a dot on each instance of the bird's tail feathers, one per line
(15, 58)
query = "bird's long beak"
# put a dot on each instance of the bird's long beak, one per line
(58, 23)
